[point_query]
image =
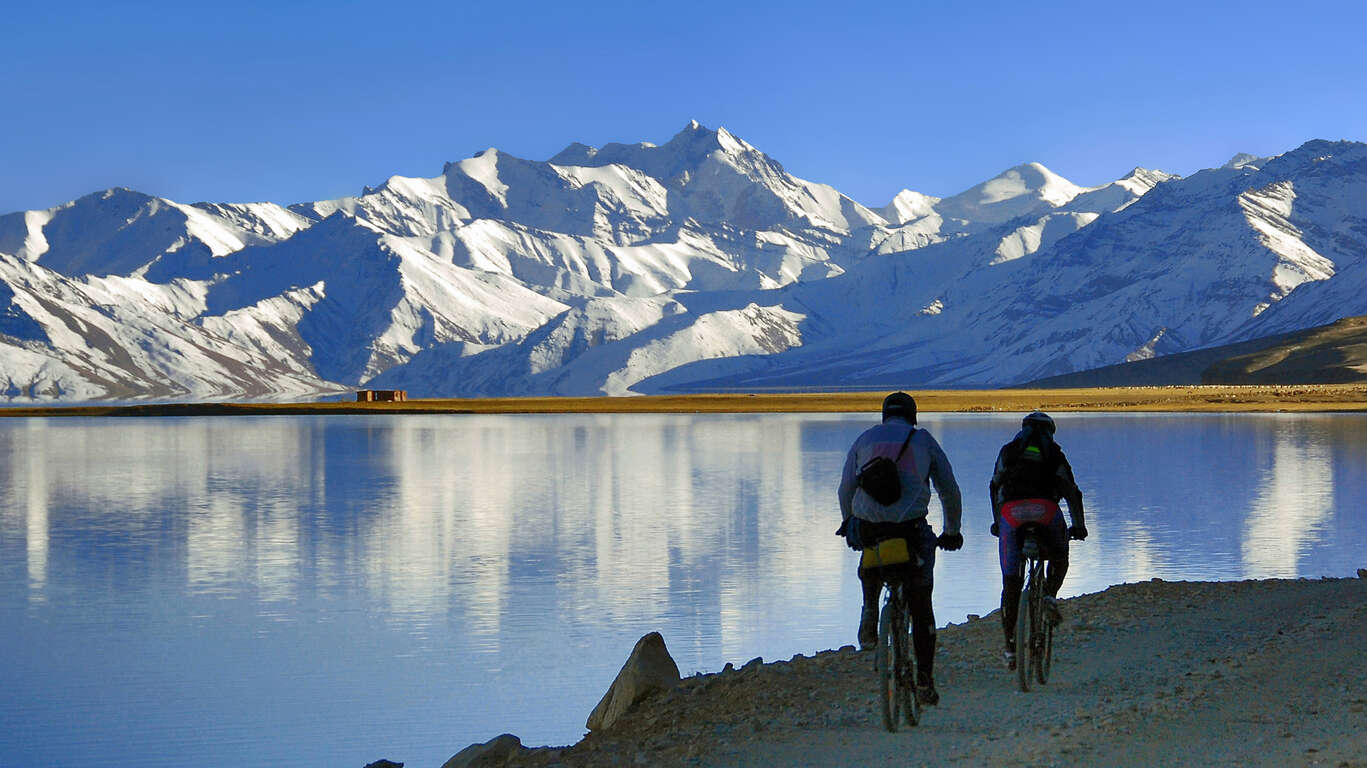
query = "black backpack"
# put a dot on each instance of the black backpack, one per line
(1031, 464)
(878, 477)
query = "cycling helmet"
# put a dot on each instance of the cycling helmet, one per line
(900, 405)
(1040, 420)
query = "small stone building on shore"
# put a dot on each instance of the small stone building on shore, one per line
(381, 395)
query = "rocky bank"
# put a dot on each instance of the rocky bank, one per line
(1261, 673)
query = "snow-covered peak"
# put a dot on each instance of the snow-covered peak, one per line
(483, 168)
(576, 153)
(1245, 160)
(676, 159)
(1320, 157)
(1145, 178)
(1119, 194)
(908, 206)
(1026, 189)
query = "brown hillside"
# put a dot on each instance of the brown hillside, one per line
(1328, 354)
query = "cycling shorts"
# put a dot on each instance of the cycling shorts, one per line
(1042, 512)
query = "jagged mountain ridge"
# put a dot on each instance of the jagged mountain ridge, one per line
(697, 264)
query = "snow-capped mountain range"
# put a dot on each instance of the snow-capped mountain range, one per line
(696, 265)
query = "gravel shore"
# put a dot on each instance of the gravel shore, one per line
(1261, 673)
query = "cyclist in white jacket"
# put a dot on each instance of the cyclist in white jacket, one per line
(920, 462)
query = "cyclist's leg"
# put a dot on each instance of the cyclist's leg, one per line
(1013, 578)
(1058, 555)
(920, 586)
(923, 634)
(872, 582)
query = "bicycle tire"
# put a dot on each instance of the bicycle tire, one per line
(911, 706)
(1037, 621)
(886, 663)
(1046, 656)
(1023, 632)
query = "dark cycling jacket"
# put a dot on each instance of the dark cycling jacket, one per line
(1054, 483)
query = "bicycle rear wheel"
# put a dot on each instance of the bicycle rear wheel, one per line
(1024, 631)
(886, 662)
(911, 706)
(1046, 654)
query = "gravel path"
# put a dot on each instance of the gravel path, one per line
(1248, 673)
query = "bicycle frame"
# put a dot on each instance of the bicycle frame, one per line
(1034, 636)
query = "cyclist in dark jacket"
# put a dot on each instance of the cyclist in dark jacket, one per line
(1031, 476)
(919, 461)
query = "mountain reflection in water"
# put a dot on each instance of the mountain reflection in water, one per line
(330, 590)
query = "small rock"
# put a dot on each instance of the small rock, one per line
(973, 617)
(494, 752)
(1362, 573)
(384, 764)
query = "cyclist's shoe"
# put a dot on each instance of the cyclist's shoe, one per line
(868, 628)
(1009, 659)
(926, 694)
(1052, 613)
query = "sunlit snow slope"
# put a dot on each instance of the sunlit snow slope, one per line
(699, 264)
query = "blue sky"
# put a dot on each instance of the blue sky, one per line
(288, 102)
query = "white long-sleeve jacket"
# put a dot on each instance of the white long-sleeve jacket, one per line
(923, 463)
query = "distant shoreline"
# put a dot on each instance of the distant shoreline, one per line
(1263, 398)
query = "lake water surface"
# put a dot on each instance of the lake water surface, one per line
(326, 591)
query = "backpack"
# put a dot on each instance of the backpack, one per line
(879, 478)
(1030, 464)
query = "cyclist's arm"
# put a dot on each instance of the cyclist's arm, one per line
(994, 488)
(942, 475)
(847, 486)
(1068, 489)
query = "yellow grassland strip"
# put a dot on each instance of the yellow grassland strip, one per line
(1288, 398)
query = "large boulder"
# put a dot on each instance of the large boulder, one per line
(494, 752)
(648, 670)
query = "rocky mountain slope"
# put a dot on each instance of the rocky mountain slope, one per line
(1326, 354)
(696, 265)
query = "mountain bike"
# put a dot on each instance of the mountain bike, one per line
(894, 660)
(1034, 632)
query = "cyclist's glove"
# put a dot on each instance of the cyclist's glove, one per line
(1078, 532)
(950, 541)
(849, 528)
(995, 529)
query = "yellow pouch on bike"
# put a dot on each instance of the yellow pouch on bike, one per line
(886, 552)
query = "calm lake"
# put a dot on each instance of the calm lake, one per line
(327, 591)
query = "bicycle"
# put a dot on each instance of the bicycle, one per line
(1034, 634)
(894, 661)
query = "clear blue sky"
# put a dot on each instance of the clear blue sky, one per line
(288, 102)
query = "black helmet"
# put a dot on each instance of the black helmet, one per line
(1039, 420)
(900, 405)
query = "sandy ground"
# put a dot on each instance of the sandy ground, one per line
(1261, 673)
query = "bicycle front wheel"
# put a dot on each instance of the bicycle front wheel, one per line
(886, 663)
(1046, 654)
(1023, 639)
